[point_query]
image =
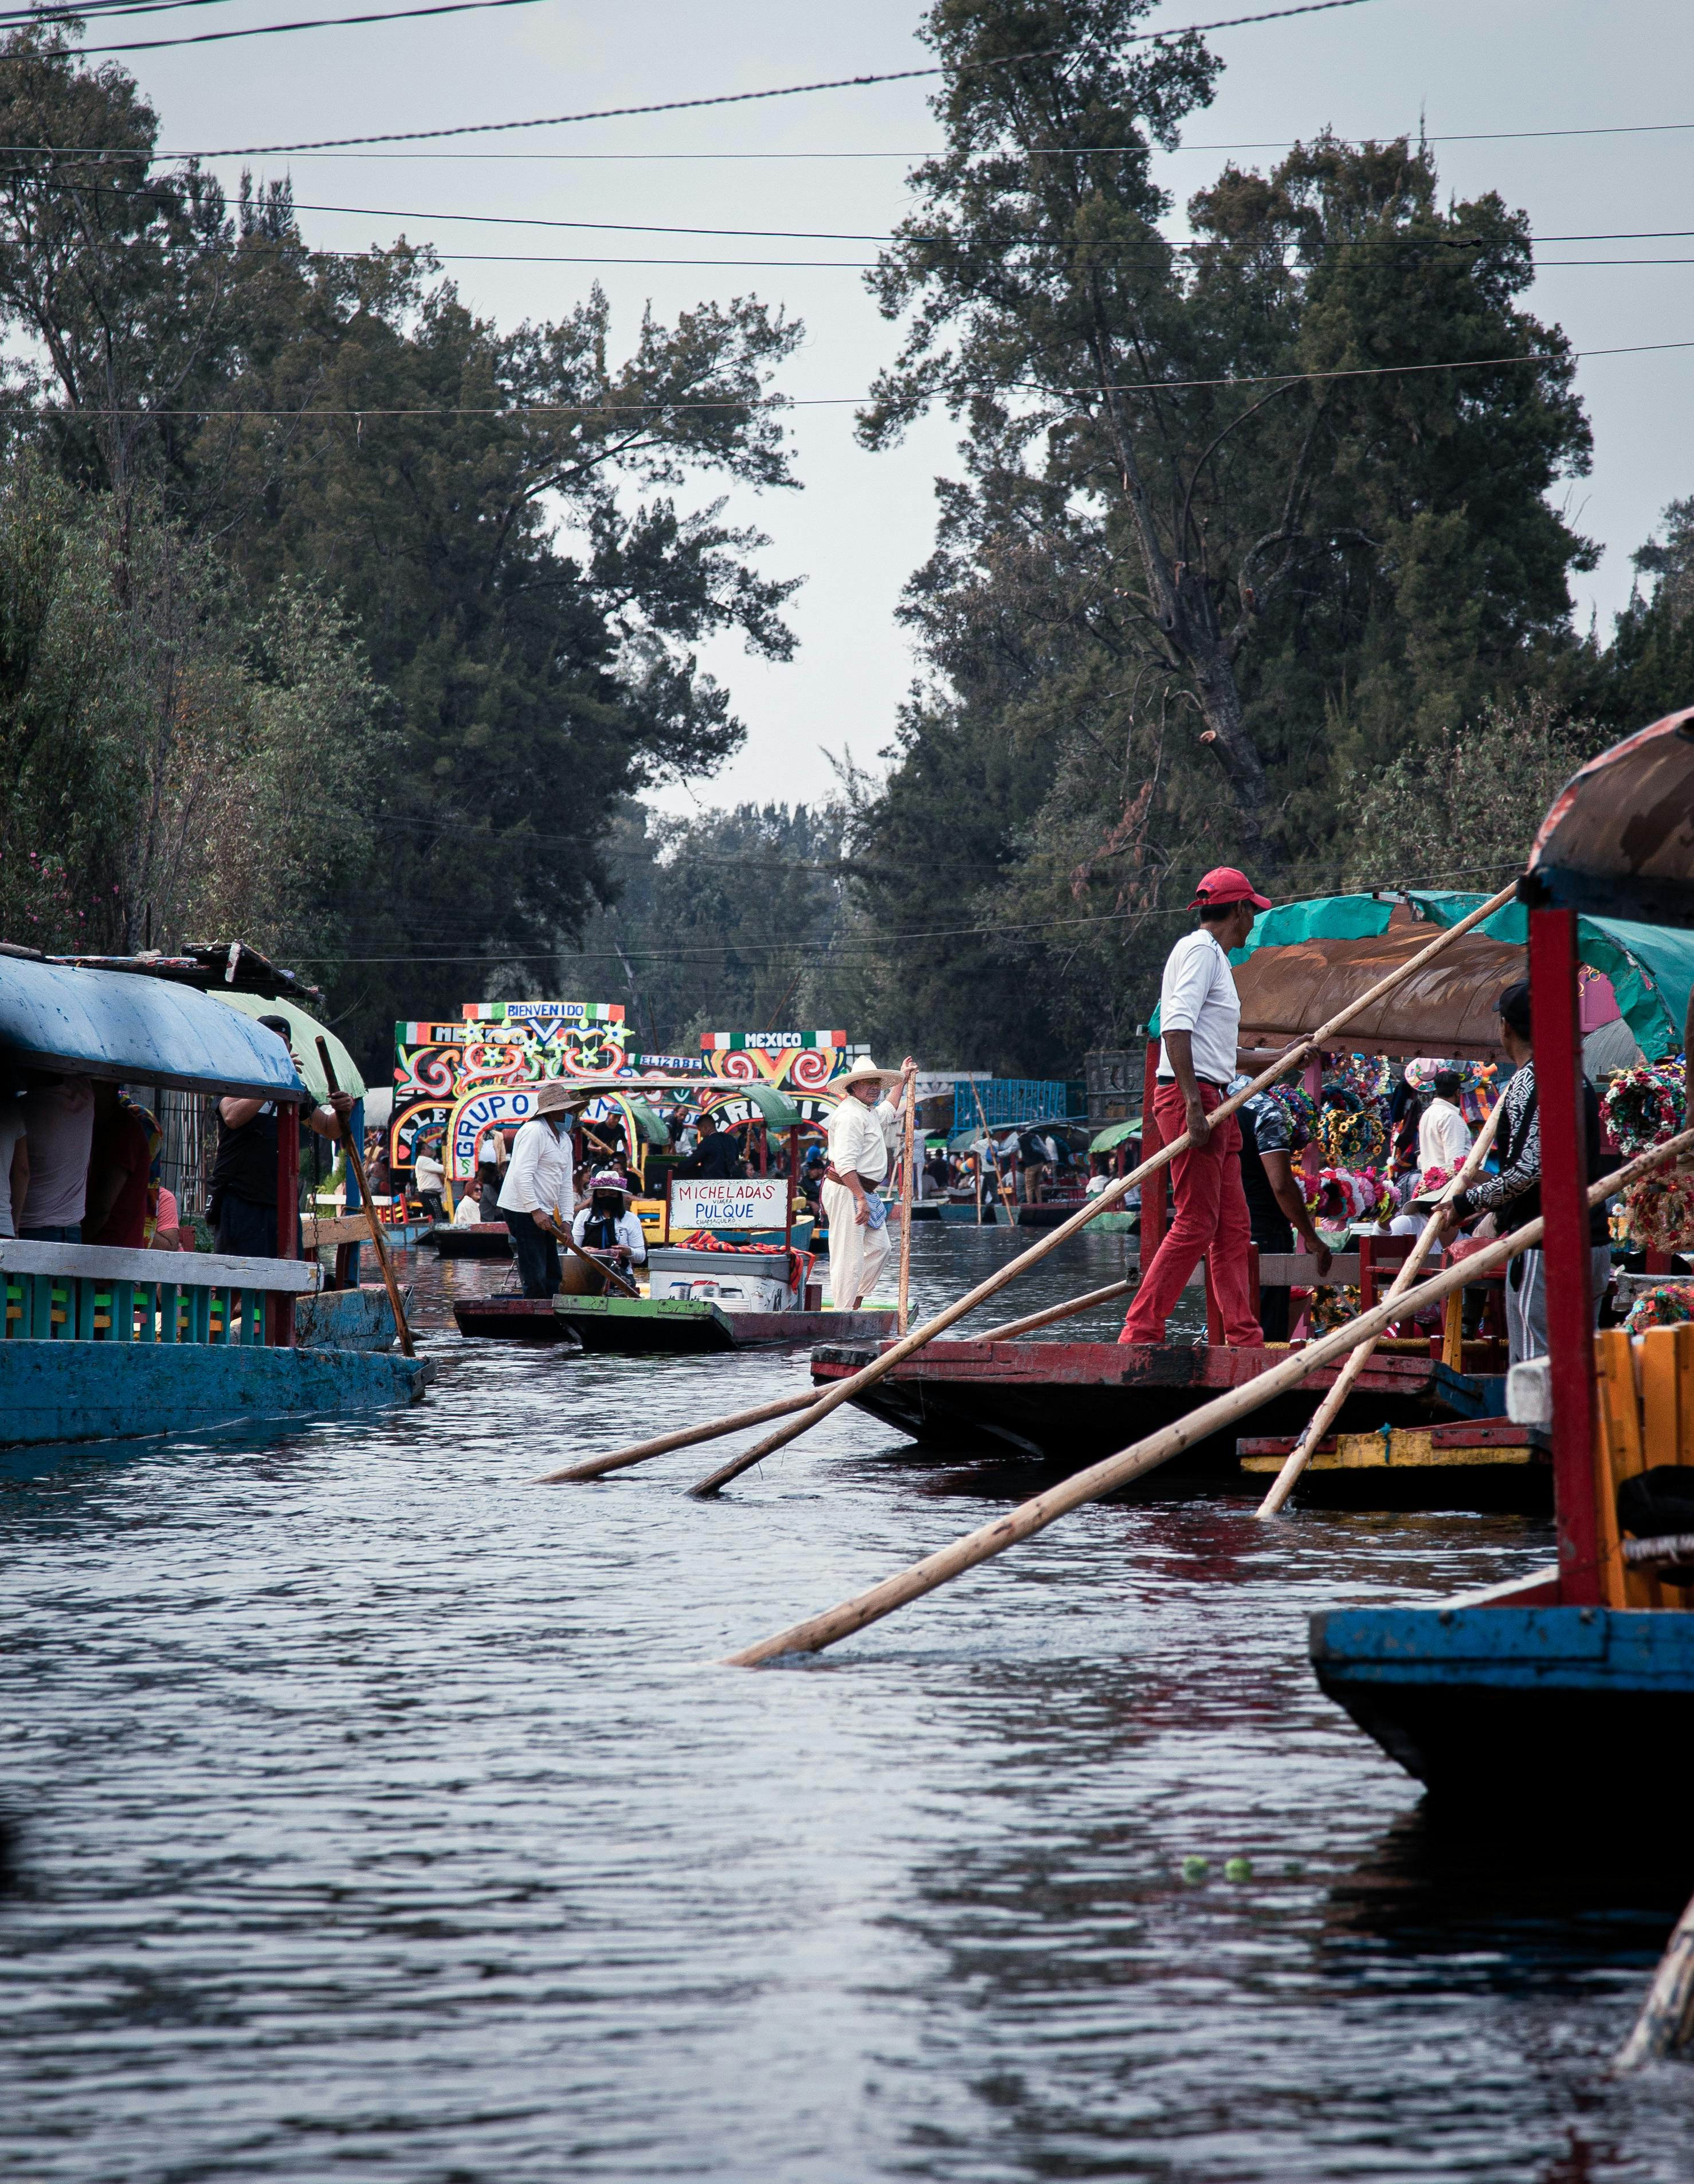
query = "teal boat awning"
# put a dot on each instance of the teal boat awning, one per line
(778, 1110)
(307, 1032)
(1115, 1134)
(1651, 967)
(651, 1126)
(125, 1026)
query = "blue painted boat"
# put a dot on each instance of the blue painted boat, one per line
(1532, 1696)
(1495, 1700)
(98, 1343)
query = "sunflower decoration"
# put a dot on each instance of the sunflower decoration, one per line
(1644, 1106)
(1351, 1132)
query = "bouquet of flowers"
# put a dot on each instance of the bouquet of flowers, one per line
(1667, 1305)
(1661, 1209)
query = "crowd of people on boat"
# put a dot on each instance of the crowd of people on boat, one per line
(81, 1163)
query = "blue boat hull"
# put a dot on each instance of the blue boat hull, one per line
(73, 1391)
(1546, 1708)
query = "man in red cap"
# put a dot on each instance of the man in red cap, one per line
(1200, 1023)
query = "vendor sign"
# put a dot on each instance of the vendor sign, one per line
(732, 1207)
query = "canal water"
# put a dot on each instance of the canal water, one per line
(370, 1810)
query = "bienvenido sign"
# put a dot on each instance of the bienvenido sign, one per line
(759, 1201)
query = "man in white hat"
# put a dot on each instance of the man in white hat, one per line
(537, 1197)
(859, 1133)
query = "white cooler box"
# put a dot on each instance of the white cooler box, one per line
(735, 1281)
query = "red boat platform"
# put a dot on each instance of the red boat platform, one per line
(1072, 1401)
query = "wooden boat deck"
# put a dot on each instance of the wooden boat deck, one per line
(1474, 1464)
(1077, 1400)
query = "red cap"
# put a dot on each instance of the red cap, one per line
(1223, 884)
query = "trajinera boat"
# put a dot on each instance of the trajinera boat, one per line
(1425, 1426)
(1541, 1694)
(105, 1343)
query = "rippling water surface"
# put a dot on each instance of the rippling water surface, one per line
(372, 1810)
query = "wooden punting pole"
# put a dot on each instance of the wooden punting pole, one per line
(906, 1193)
(355, 1162)
(1667, 2020)
(1033, 1516)
(1557, 1031)
(1325, 1414)
(885, 1361)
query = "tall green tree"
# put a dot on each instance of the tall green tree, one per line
(1238, 519)
(511, 516)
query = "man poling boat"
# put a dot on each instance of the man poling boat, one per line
(1200, 1018)
(858, 1165)
(538, 1198)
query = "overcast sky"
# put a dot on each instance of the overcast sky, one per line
(838, 160)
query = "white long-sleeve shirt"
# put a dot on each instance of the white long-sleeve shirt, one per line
(629, 1233)
(858, 1142)
(1197, 995)
(541, 1177)
(1443, 1138)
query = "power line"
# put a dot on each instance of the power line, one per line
(275, 29)
(608, 409)
(1153, 243)
(780, 91)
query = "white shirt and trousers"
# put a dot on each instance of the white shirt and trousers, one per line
(539, 1180)
(1210, 1216)
(858, 1145)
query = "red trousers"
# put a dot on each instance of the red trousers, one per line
(1211, 1215)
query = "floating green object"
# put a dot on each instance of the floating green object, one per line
(1196, 1868)
(1239, 1869)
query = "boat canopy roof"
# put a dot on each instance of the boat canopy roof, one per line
(1447, 1008)
(1115, 1134)
(138, 1030)
(308, 1031)
(1619, 839)
(1305, 961)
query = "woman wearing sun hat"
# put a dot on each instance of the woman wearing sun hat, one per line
(1200, 1024)
(858, 1162)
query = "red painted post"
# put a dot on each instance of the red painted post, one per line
(278, 1304)
(1153, 1189)
(1565, 1269)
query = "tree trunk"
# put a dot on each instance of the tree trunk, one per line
(1189, 627)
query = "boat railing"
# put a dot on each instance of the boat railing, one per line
(89, 1293)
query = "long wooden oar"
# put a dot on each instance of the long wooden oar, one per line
(1322, 1418)
(356, 1168)
(1072, 1305)
(843, 1391)
(818, 1631)
(887, 1360)
(562, 1229)
(1667, 2020)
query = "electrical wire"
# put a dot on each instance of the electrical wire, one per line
(255, 30)
(752, 97)
(516, 411)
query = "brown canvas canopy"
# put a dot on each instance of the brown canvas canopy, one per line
(1449, 1008)
(1620, 838)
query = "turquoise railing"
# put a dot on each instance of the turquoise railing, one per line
(79, 1293)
